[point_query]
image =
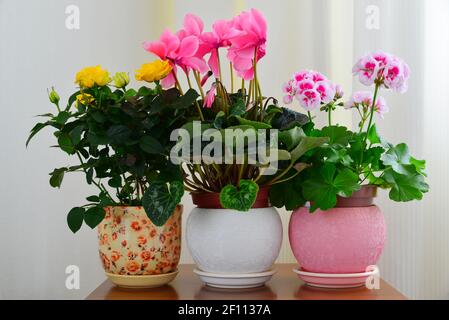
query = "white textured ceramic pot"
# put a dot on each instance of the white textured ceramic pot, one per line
(224, 241)
(229, 241)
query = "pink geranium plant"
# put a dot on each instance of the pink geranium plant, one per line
(352, 159)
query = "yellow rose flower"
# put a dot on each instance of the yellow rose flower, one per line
(121, 79)
(84, 99)
(90, 76)
(153, 71)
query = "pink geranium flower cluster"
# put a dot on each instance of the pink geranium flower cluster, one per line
(384, 69)
(244, 37)
(364, 100)
(312, 89)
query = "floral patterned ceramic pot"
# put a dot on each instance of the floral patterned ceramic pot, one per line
(131, 245)
(344, 239)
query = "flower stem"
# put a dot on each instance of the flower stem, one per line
(231, 69)
(219, 66)
(177, 82)
(310, 116)
(196, 101)
(329, 115)
(198, 82)
(376, 90)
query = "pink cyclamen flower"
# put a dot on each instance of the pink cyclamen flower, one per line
(222, 33)
(210, 96)
(249, 44)
(364, 99)
(180, 49)
(384, 69)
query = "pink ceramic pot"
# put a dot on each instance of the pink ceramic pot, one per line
(345, 239)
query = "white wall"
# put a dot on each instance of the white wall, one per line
(37, 51)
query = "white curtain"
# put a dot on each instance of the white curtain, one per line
(37, 51)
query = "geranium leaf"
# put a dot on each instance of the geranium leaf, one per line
(397, 157)
(406, 187)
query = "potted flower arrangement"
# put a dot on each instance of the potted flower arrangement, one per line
(346, 232)
(234, 234)
(120, 139)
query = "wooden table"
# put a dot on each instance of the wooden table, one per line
(284, 285)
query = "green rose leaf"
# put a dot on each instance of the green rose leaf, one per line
(241, 198)
(38, 127)
(62, 117)
(185, 101)
(56, 177)
(75, 218)
(323, 187)
(161, 199)
(65, 143)
(151, 145)
(119, 133)
(406, 187)
(94, 216)
(115, 182)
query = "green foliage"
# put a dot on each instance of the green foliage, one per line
(324, 184)
(160, 200)
(342, 164)
(239, 198)
(122, 142)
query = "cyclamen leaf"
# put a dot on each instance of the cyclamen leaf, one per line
(291, 137)
(241, 198)
(161, 199)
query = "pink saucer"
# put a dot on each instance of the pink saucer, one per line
(335, 280)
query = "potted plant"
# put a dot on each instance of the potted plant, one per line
(234, 234)
(345, 232)
(120, 139)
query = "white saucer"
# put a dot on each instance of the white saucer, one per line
(234, 281)
(335, 280)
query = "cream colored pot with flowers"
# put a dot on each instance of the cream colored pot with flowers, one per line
(122, 146)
